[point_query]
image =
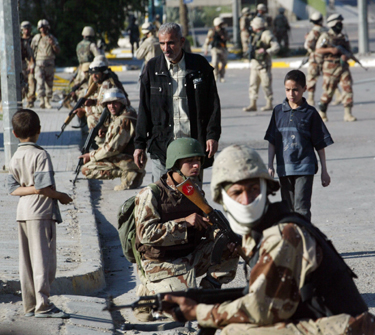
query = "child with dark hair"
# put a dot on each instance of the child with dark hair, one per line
(295, 130)
(31, 177)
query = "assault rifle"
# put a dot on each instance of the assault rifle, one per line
(189, 190)
(69, 95)
(79, 104)
(89, 140)
(304, 60)
(349, 54)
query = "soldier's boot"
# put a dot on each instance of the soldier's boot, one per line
(268, 106)
(323, 111)
(323, 115)
(310, 98)
(209, 282)
(30, 104)
(252, 107)
(338, 98)
(143, 314)
(47, 102)
(348, 117)
(42, 103)
(127, 179)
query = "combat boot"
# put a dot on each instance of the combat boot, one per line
(42, 104)
(30, 104)
(252, 107)
(47, 102)
(323, 115)
(338, 98)
(310, 98)
(127, 179)
(348, 117)
(268, 106)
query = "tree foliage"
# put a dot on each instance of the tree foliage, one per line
(68, 17)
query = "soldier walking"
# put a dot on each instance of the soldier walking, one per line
(45, 47)
(281, 28)
(264, 45)
(217, 38)
(335, 67)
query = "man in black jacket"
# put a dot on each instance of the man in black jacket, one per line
(178, 98)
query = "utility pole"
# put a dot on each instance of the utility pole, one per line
(10, 55)
(236, 25)
(363, 45)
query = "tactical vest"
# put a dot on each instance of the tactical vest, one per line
(84, 53)
(24, 45)
(172, 205)
(217, 41)
(330, 289)
(257, 43)
(333, 39)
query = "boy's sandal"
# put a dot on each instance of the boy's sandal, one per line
(53, 313)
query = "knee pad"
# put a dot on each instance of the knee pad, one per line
(322, 106)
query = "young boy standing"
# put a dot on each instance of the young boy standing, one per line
(31, 177)
(295, 130)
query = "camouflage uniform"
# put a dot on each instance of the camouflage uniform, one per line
(149, 48)
(28, 91)
(292, 252)
(335, 71)
(45, 64)
(244, 28)
(114, 158)
(280, 29)
(219, 51)
(175, 273)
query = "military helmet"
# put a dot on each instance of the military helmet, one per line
(281, 10)
(101, 58)
(43, 23)
(258, 23)
(236, 163)
(147, 27)
(98, 66)
(334, 19)
(218, 21)
(316, 17)
(88, 31)
(245, 10)
(113, 94)
(25, 25)
(183, 148)
(262, 7)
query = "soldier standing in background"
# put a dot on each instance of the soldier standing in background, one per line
(150, 47)
(281, 28)
(28, 64)
(264, 45)
(244, 28)
(217, 38)
(133, 31)
(262, 12)
(157, 23)
(335, 67)
(45, 47)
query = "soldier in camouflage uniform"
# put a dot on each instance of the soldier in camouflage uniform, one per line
(262, 13)
(264, 45)
(335, 67)
(173, 237)
(28, 64)
(45, 47)
(281, 28)
(293, 286)
(150, 47)
(217, 38)
(244, 28)
(114, 158)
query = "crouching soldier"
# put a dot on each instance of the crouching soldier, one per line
(174, 239)
(114, 158)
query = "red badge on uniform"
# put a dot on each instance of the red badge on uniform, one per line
(188, 189)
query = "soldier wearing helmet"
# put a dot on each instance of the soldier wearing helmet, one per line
(244, 28)
(281, 28)
(104, 79)
(293, 285)
(217, 38)
(262, 13)
(150, 47)
(264, 46)
(173, 237)
(114, 158)
(28, 64)
(45, 47)
(335, 67)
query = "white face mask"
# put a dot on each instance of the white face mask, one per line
(241, 217)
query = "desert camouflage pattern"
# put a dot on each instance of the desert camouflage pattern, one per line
(83, 79)
(149, 48)
(260, 73)
(44, 74)
(280, 29)
(335, 71)
(315, 60)
(43, 48)
(180, 273)
(288, 254)
(28, 91)
(244, 28)
(109, 161)
(86, 51)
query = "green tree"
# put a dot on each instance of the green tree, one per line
(68, 17)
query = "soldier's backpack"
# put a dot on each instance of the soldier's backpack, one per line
(126, 227)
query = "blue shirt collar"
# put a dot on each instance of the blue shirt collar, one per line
(303, 108)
